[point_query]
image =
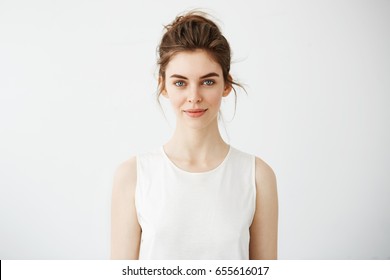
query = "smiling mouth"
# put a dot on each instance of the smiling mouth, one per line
(195, 113)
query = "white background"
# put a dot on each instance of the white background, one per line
(78, 97)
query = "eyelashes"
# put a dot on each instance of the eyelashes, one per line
(181, 83)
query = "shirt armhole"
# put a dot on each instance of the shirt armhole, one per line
(254, 188)
(137, 192)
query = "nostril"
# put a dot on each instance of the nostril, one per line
(192, 100)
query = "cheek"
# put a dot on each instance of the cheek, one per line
(214, 99)
(176, 100)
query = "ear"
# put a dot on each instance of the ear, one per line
(161, 87)
(228, 87)
(227, 90)
(164, 93)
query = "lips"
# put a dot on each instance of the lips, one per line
(195, 113)
(195, 110)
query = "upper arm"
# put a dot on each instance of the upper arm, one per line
(125, 229)
(264, 228)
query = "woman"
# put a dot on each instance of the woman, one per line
(197, 197)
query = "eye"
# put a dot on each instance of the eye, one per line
(179, 83)
(208, 82)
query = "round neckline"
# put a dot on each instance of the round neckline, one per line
(197, 173)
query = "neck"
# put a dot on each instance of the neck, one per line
(199, 143)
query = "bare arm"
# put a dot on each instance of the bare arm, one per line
(264, 228)
(125, 229)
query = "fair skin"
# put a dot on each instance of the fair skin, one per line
(195, 87)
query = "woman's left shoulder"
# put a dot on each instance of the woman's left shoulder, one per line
(265, 176)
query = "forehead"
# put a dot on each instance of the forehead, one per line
(192, 64)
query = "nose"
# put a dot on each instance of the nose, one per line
(193, 96)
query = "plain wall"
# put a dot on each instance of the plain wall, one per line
(78, 97)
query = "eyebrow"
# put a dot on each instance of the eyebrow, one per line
(212, 74)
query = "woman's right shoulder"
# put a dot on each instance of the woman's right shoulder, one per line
(125, 175)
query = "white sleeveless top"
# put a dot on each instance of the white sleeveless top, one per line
(189, 216)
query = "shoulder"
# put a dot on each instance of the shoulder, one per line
(264, 172)
(264, 175)
(265, 180)
(125, 175)
(264, 228)
(125, 228)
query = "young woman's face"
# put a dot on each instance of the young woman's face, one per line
(195, 86)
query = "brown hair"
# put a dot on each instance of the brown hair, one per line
(190, 32)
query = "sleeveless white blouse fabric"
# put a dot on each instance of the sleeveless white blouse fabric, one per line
(193, 216)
